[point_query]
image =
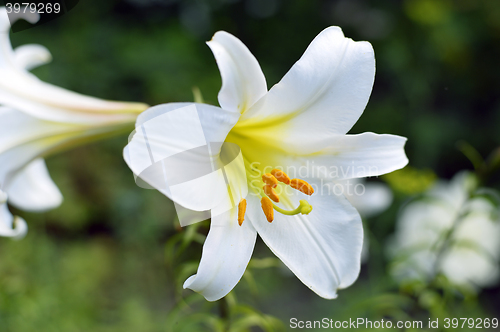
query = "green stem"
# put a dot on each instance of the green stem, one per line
(471, 153)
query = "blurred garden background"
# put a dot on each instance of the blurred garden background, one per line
(113, 257)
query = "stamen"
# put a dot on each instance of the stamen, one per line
(271, 193)
(302, 186)
(267, 207)
(270, 180)
(242, 207)
(280, 176)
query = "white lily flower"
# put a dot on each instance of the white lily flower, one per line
(38, 119)
(301, 123)
(471, 254)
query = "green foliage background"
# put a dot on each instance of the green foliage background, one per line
(112, 257)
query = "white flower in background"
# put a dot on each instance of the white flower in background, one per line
(301, 123)
(38, 119)
(447, 232)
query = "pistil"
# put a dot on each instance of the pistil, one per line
(303, 208)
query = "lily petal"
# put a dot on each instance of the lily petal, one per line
(243, 82)
(226, 253)
(32, 189)
(353, 156)
(323, 249)
(31, 56)
(28, 94)
(7, 221)
(6, 53)
(17, 128)
(323, 94)
(178, 151)
(14, 159)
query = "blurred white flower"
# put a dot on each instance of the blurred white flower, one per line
(447, 232)
(38, 119)
(301, 122)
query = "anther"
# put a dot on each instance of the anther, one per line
(242, 207)
(270, 180)
(280, 176)
(267, 207)
(302, 186)
(271, 193)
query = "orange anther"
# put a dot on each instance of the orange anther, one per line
(302, 186)
(280, 176)
(269, 179)
(242, 207)
(271, 193)
(267, 207)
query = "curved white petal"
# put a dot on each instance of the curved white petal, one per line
(6, 53)
(10, 226)
(32, 189)
(24, 138)
(323, 249)
(226, 253)
(216, 122)
(323, 94)
(26, 93)
(337, 158)
(20, 152)
(243, 82)
(31, 56)
(355, 156)
(17, 128)
(175, 149)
